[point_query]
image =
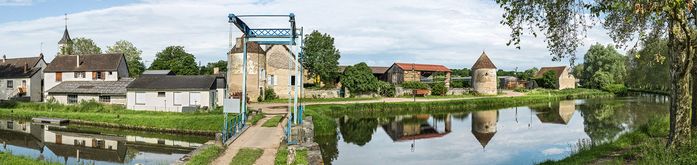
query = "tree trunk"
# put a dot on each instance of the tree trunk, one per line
(681, 64)
(693, 73)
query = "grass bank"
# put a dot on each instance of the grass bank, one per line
(92, 113)
(206, 156)
(273, 121)
(247, 156)
(320, 100)
(643, 146)
(7, 158)
(323, 115)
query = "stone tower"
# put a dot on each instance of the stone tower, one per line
(484, 76)
(256, 69)
(484, 126)
(65, 41)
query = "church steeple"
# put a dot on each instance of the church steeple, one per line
(65, 41)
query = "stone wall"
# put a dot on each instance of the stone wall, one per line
(314, 93)
(484, 81)
(459, 91)
(566, 80)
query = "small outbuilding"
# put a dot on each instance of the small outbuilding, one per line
(106, 92)
(399, 73)
(484, 76)
(172, 93)
(564, 78)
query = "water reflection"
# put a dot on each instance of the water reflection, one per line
(75, 146)
(520, 135)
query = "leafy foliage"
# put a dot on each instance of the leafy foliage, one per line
(528, 74)
(359, 79)
(208, 69)
(548, 80)
(270, 94)
(321, 58)
(387, 89)
(84, 45)
(601, 79)
(617, 89)
(649, 59)
(414, 85)
(357, 131)
(175, 58)
(604, 59)
(133, 59)
(439, 89)
(464, 72)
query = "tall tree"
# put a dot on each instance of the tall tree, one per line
(605, 59)
(359, 79)
(84, 45)
(565, 22)
(321, 58)
(176, 59)
(133, 59)
(208, 69)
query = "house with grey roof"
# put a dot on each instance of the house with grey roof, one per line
(20, 78)
(172, 93)
(79, 72)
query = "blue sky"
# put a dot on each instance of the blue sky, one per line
(449, 32)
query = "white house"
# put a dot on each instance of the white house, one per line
(21, 78)
(172, 93)
(83, 71)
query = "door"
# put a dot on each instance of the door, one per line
(59, 76)
(195, 98)
(59, 139)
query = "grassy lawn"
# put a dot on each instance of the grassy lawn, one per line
(206, 156)
(7, 158)
(255, 119)
(319, 100)
(273, 122)
(247, 156)
(117, 116)
(300, 157)
(281, 155)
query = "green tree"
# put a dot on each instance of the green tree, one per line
(565, 22)
(605, 59)
(208, 69)
(359, 79)
(84, 45)
(133, 59)
(464, 72)
(528, 74)
(357, 131)
(548, 80)
(175, 58)
(439, 89)
(651, 58)
(321, 58)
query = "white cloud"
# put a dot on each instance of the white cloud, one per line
(448, 32)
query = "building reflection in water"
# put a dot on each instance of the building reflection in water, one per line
(484, 126)
(68, 143)
(410, 128)
(556, 113)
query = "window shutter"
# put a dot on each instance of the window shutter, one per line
(94, 75)
(59, 76)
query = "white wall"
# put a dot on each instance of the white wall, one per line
(152, 102)
(50, 78)
(6, 93)
(63, 98)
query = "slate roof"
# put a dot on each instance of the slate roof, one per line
(92, 87)
(422, 67)
(252, 47)
(15, 67)
(374, 69)
(557, 69)
(180, 83)
(483, 62)
(66, 37)
(92, 62)
(157, 72)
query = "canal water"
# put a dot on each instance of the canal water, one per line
(94, 145)
(519, 135)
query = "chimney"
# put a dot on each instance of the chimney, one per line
(216, 70)
(26, 66)
(77, 61)
(4, 57)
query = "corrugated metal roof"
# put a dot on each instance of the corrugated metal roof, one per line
(92, 87)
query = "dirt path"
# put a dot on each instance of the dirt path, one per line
(266, 138)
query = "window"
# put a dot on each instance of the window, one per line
(10, 125)
(111, 73)
(140, 98)
(10, 84)
(59, 76)
(79, 74)
(100, 75)
(292, 80)
(272, 80)
(24, 83)
(105, 99)
(180, 98)
(72, 99)
(160, 94)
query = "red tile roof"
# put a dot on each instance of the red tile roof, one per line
(422, 67)
(483, 62)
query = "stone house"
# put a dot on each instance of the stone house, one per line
(563, 74)
(256, 70)
(22, 78)
(484, 76)
(82, 73)
(399, 73)
(280, 70)
(172, 93)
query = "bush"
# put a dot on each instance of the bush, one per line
(414, 85)
(8, 104)
(617, 89)
(270, 94)
(359, 79)
(548, 80)
(657, 127)
(387, 89)
(439, 89)
(520, 89)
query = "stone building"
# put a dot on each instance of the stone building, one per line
(564, 78)
(256, 70)
(101, 77)
(22, 78)
(399, 73)
(484, 76)
(280, 70)
(484, 126)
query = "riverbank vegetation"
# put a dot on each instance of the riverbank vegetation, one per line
(247, 156)
(207, 155)
(7, 158)
(93, 113)
(273, 121)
